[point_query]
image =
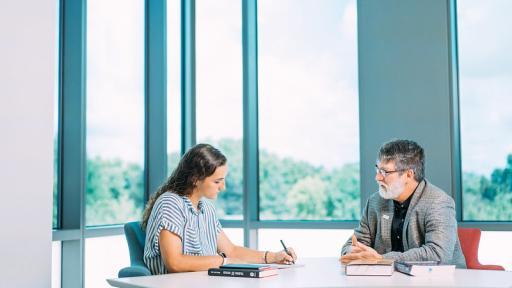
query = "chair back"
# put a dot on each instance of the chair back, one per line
(469, 241)
(136, 238)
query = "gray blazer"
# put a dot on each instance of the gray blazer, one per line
(430, 227)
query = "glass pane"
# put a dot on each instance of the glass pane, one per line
(308, 110)
(219, 92)
(485, 70)
(491, 249)
(173, 84)
(236, 235)
(115, 111)
(300, 240)
(56, 113)
(56, 264)
(104, 257)
(55, 202)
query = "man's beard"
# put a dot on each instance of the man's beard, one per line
(392, 191)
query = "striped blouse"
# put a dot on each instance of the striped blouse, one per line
(198, 229)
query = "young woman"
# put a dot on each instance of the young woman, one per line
(182, 230)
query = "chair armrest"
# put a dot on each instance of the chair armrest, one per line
(490, 267)
(133, 271)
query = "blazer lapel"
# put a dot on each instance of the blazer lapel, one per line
(415, 198)
(386, 219)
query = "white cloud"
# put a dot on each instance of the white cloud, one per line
(485, 84)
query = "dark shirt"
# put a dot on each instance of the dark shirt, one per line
(397, 226)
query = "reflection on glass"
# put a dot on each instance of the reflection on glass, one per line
(485, 70)
(56, 113)
(115, 111)
(55, 158)
(173, 84)
(308, 110)
(219, 92)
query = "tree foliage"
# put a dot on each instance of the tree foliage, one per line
(288, 189)
(489, 198)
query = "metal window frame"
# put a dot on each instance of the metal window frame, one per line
(72, 139)
(72, 135)
(188, 74)
(457, 181)
(71, 230)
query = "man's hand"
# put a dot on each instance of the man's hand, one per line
(360, 251)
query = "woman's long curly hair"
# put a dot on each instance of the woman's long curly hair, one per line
(198, 163)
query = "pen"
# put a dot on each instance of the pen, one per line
(286, 250)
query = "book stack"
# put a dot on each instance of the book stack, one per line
(424, 268)
(243, 270)
(382, 267)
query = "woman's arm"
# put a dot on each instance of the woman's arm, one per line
(239, 254)
(175, 261)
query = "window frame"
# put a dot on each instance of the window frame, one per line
(71, 228)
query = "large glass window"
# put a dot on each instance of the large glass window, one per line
(485, 70)
(300, 240)
(219, 92)
(115, 111)
(104, 257)
(308, 110)
(173, 84)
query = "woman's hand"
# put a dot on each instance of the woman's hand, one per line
(282, 257)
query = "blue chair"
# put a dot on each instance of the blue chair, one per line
(136, 239)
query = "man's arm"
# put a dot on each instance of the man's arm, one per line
(362, 232)
(440, 236)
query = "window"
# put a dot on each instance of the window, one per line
(219, 92)
(308, 110)
(300, 240)
(173, 84)
(115, 111)
(104, 257)
(56, 264)
(485, 70)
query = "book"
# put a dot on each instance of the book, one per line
(424, 268)
(243, 270)
(382, 267)
(245, 266)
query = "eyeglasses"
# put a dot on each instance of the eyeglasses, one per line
(385, 173)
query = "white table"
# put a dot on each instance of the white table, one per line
(320, 272)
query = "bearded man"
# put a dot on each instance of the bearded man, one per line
(409, 219)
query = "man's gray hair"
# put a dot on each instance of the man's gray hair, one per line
(406, 154)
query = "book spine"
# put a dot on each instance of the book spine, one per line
(233, 273)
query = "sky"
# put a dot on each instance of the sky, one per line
(308, 96)
(485, 72)
(307, 77)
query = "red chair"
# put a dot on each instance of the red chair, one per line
(469, 241)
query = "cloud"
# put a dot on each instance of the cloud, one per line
(485, 73)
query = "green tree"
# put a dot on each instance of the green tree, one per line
(308, 198)
(489, 198)
(114, 191)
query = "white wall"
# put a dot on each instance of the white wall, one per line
(28, 43)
